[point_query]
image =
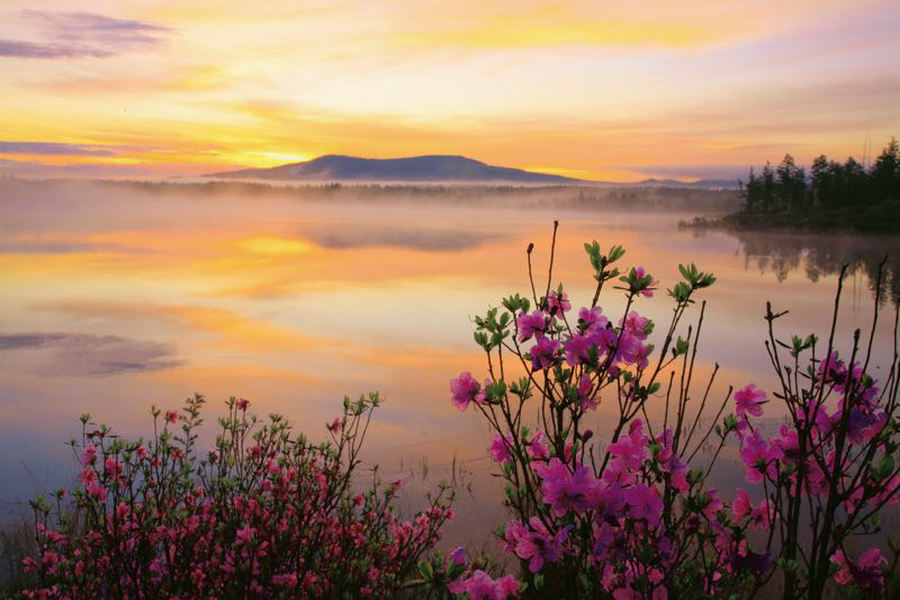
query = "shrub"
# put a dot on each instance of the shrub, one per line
(637, 516)
(265, 514)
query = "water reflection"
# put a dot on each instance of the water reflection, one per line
(119, 297)
(817, 255)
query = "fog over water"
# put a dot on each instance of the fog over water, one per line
(116, 297)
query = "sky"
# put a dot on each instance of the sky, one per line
(615, 91)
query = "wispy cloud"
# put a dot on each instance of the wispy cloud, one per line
(53, 149)
(80, 35)
(22, 49)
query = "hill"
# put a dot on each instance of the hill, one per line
(334, 167)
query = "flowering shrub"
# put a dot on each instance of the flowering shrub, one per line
(266, 514)
(634, 515)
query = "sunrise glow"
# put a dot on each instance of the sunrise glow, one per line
(598, 90)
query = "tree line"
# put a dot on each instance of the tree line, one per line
(828, 185)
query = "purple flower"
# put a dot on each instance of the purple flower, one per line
(644, 502)
(543, 354)
(530, 325)
(591, 320)
(564, 490)
(537, 448)
(749, 400)
(465, 389)
(480, 586)
(458, 556)
(578, 348)
(534, 544)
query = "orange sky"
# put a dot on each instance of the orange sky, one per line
(603, 90)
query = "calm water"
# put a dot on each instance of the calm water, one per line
(115, 299)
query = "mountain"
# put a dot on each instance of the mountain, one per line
(334, 167)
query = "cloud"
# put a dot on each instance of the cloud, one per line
(84, 354)
(25, 168)
(53, 149)
(22, 49)
(80, 35)
(50, 247)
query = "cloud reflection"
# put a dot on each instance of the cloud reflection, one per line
(84, 354)
(429, 240)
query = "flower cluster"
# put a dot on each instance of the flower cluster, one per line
(636, 517)
(266, 514)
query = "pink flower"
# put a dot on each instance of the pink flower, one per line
(645, 503)
(591, 320)
(651, 283)
(171, 416)
(500, 449)
(480, 586)
(535, 545)
(465, 389)
(543, 354)
(579, 348)
(564, 490)
(636, 325)
(97, 491)
(335, 425)
(631, 450)
(537, 448)
(749, 400)
(89, 455)
(558, 303)
(244, 536)
(867, 572)
(759, 458)
(530, 325)
(243, 403)
(586, 399)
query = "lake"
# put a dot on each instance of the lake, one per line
(118, 297)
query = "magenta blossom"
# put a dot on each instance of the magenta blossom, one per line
(480, 586)
(558, 303)
(458, 556)
(749, 400)
(564, 490)
(530, 325)
(534, 544)
(500, 449)
(867, 572)
(759, 457)
(537, 448)
(641, 274)
(543, 354)
(579, 347)
(591, 320)
(644, 502)
(586, 399)
(465, 389)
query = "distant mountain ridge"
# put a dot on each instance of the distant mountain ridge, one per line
(336, 167)
(432, 168)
